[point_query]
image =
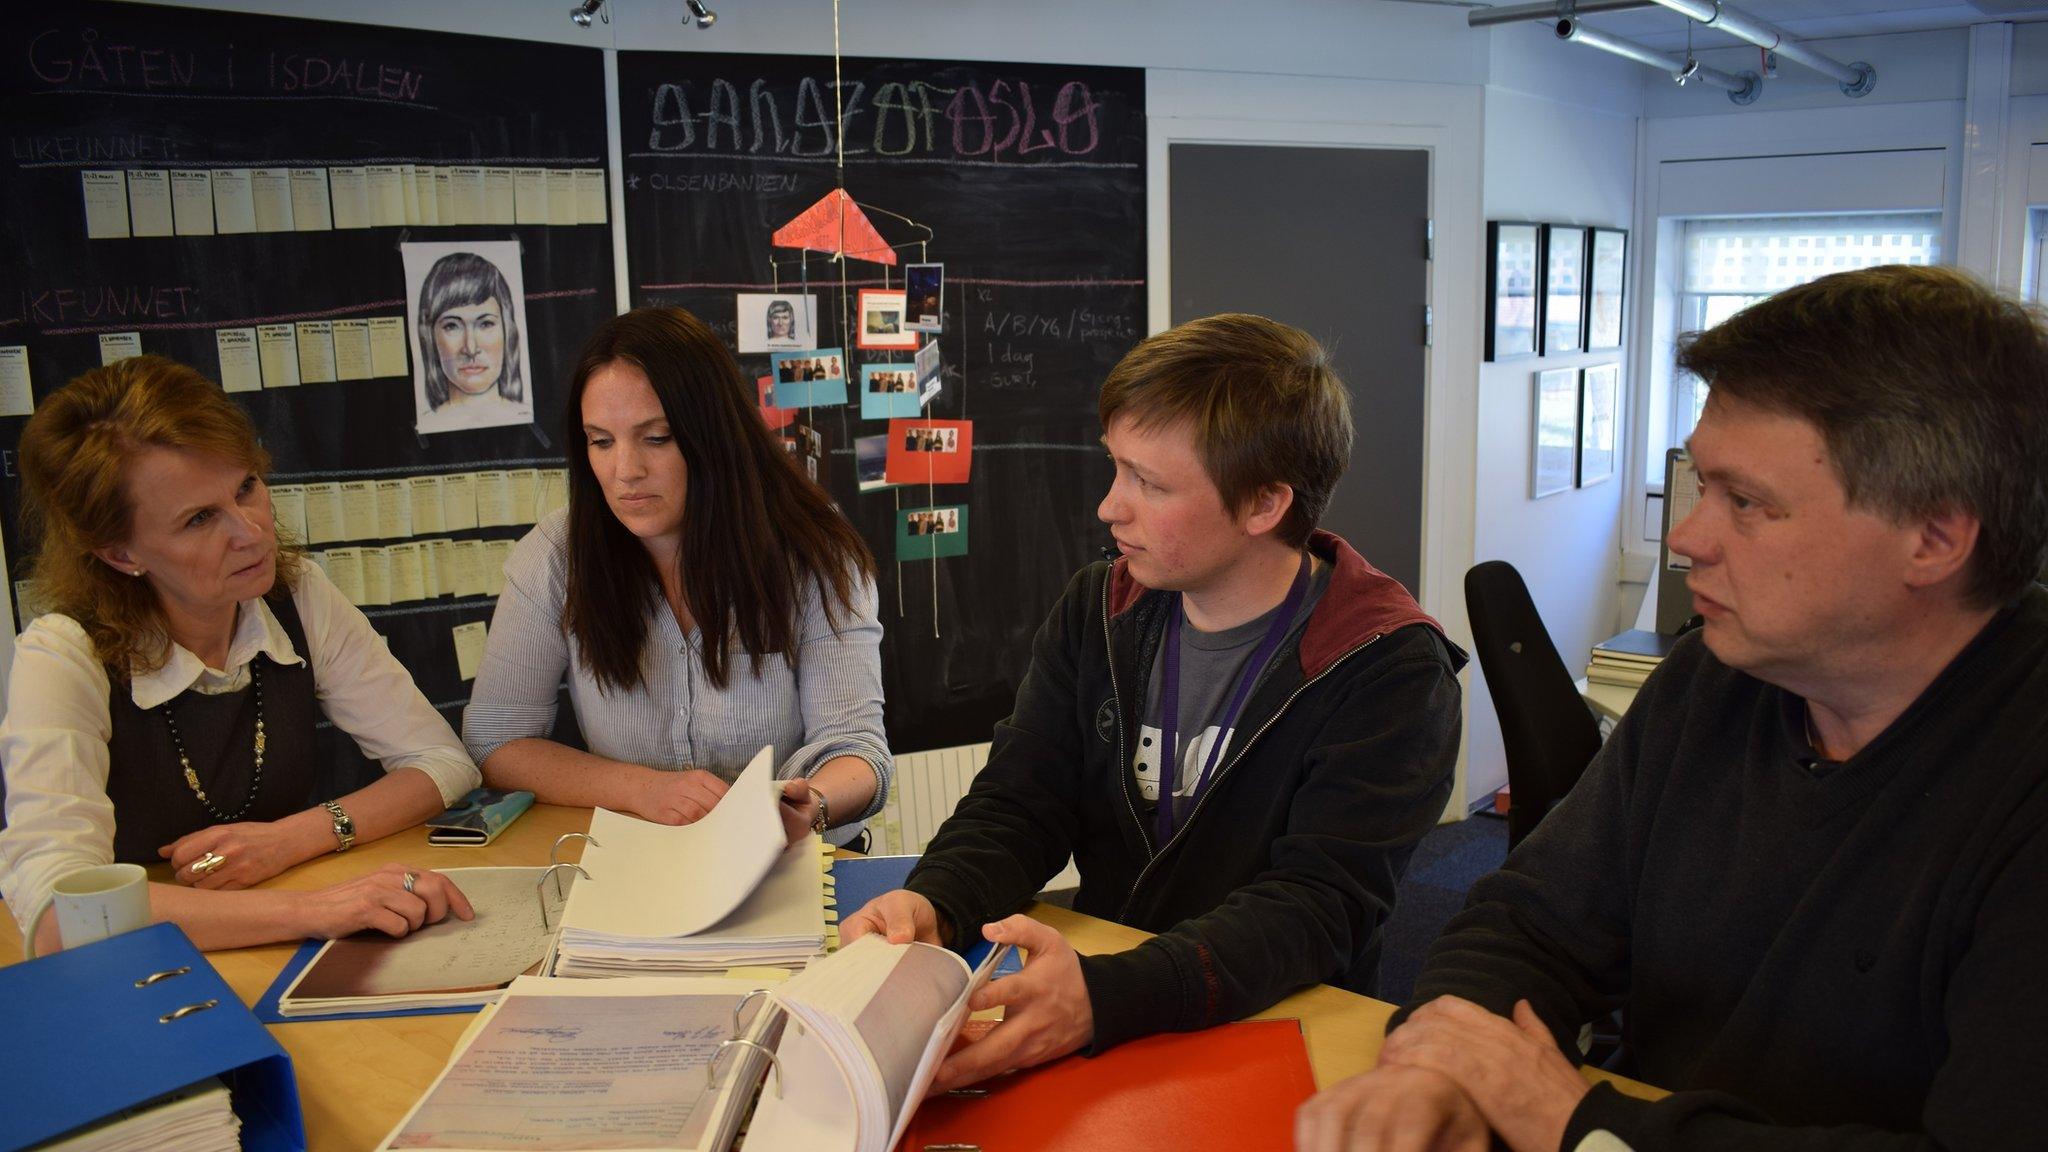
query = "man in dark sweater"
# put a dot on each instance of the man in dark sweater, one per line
(1238, 730)
(1812, 863)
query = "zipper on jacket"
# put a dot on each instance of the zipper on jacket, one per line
(1124, 915)
(1123, 766)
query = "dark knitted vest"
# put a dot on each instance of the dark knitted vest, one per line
(152, 804)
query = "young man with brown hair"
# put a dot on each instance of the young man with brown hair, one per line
(1307, 706)
(1812, 862)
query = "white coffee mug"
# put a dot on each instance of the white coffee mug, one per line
(101, 901)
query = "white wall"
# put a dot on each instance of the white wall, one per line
(1566, 163)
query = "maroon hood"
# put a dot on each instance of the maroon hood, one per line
(1361, 603)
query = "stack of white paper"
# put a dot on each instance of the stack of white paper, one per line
(717, 894)
(195, 1118)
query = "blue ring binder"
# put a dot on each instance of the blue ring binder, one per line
(96, 1028)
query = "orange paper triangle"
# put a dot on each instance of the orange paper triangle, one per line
(832, 222)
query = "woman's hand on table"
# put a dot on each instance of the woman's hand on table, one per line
(383, 900)
(249, 853)
(683, 797)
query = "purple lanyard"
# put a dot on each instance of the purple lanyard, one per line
(1169, 704)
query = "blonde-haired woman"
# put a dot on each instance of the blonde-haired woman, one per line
(164, 709)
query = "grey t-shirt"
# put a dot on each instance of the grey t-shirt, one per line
(1209, 667)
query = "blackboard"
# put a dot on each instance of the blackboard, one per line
(1031, 180)
(116, 86)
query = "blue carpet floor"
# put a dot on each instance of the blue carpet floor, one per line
(1446, 863)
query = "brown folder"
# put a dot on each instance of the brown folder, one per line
(1232, 1087)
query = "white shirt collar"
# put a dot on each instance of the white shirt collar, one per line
(256, 630)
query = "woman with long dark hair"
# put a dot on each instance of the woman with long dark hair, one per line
(702, 597)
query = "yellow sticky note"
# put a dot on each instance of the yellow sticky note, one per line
(288, 508)
(376, 576)
(394, 509)
(496, 553)
(458, 501)
(358, 510)
(345, 567)
(525, 496)
(323, 514)
(469, 648)
(493, 499)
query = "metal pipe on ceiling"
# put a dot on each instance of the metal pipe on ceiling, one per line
(1742, 88)
(1856, 79)
(1548, 11)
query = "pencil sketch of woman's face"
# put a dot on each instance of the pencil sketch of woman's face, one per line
(781, 320)
(471, 341)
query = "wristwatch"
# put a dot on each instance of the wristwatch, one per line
(824, 815)
(344, 827)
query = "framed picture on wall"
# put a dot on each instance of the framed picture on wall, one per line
(1599, 395)
(1513, 256)
(1554, 448)
(1606, 270)
(1564, 288)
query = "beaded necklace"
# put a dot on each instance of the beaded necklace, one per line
(192, 777)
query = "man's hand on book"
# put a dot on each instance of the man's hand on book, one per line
(900, 916)
(1045, 1008)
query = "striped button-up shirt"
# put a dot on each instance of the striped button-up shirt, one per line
(831, 705)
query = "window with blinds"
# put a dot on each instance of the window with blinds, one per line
(1729, 264)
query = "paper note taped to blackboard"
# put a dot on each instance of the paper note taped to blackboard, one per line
(240, 369)
(469, 648)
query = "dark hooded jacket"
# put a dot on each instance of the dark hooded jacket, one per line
(1284, 872)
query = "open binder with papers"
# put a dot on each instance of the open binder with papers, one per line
(452, 965)
(622, 1064)
(720, 893)
(100, 1028)
(865, 1031)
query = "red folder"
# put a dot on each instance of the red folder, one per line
(1232, 1087)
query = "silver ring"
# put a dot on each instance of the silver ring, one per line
(208, 863)
(411, 878)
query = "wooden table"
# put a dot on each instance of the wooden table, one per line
(357, 1078)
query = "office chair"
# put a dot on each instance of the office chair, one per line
(1548, 732)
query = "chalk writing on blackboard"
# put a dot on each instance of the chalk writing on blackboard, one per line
(1007, 119)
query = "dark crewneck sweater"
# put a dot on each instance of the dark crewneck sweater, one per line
(1855, 958)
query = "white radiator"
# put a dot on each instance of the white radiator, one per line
(928, 786)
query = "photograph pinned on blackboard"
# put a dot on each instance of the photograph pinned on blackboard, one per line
(777, 321)
(931, 533)
(809, 379)
(881, 321)
(467, 300)
(806, 445)
(924, 288)
(926, 451)
(776, 418)
(888, 390)
(928, 372)
(871, 462)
